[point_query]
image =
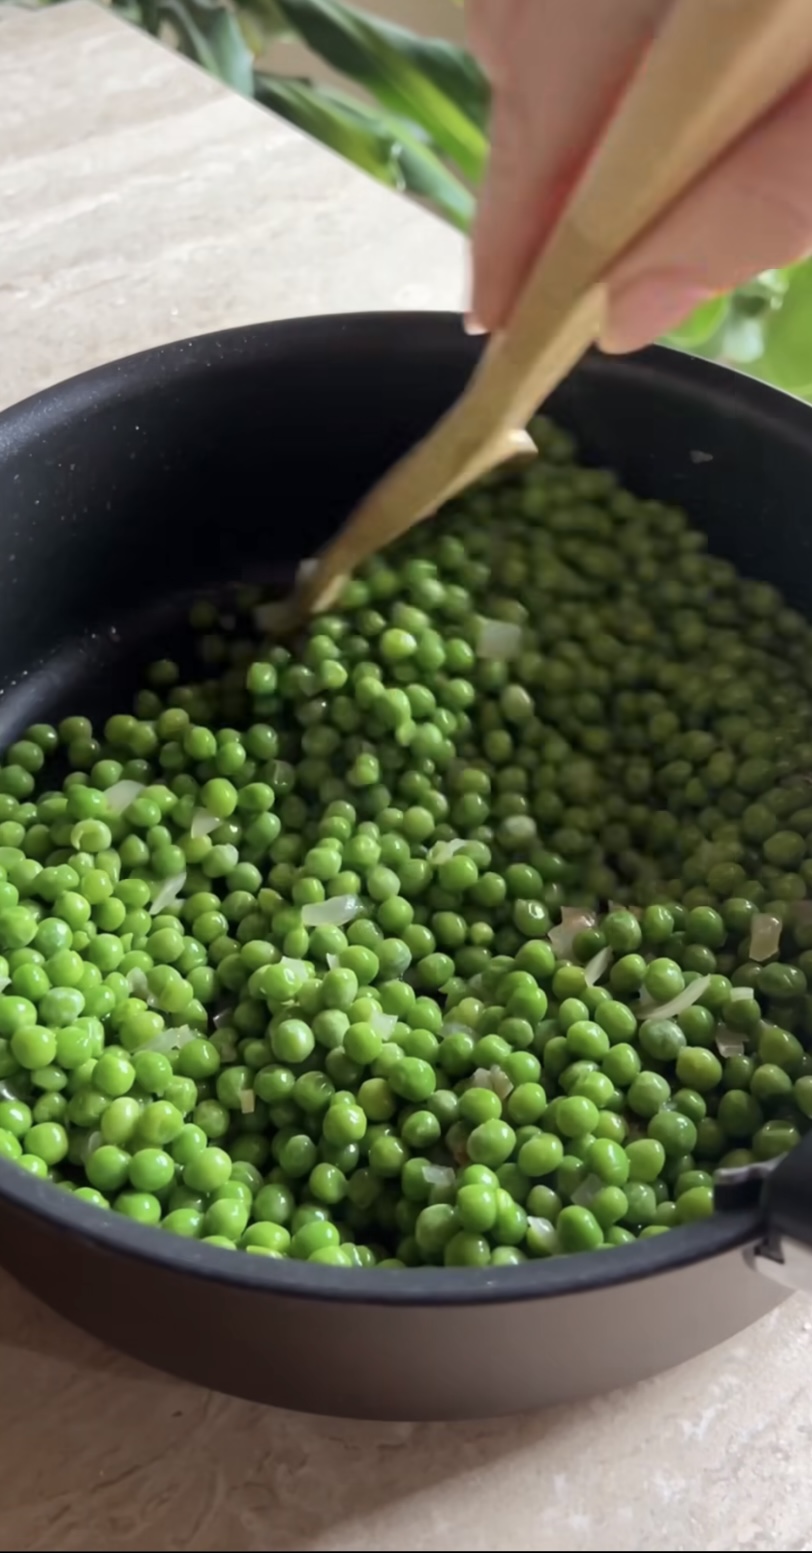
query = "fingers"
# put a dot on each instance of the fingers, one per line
(557, 67)
(752, 212)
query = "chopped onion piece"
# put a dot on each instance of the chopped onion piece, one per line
(738, 994)
(248, 1101)
(223, 1018)
(203, 823)
(684, 999)
(482, 1078)
(439, 1175)
(383, 1024)
(335, 912)
(168, 892)
(595, 968)
(587, 1190)
(574, 920)
(729, 1043)
(455, 1027)
(138, 984)
(121, 794)
(301, 966)
(332, 961)
(500, 1083)
(541, 1226)
(171, 1040)
(443, 850)
(498, 639)
(765, 936)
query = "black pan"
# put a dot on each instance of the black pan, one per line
(124, 492)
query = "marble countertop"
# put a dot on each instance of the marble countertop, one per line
(141, 202)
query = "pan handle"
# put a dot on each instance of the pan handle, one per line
(782, 1188)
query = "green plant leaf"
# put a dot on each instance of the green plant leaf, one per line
(426, 81)
(261, 22)
(700, 325)
(209, 33)
(308, 107)
(377, 143)
(423, 173)
(787, 358)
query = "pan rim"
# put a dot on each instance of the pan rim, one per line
(168, 368)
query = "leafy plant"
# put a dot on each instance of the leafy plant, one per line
(422, 128)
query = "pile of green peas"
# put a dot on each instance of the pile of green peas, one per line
(436, 937)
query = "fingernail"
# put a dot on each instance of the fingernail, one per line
(471, 325)
(646, 308)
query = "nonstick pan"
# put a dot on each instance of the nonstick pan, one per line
(122, 494)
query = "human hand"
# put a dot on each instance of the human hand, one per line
(556, 69)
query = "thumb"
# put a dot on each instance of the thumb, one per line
(752, 212)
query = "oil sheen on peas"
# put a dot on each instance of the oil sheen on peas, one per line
(276, 963)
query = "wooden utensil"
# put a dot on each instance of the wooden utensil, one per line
(714, 68)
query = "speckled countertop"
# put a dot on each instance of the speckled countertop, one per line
(140, 202)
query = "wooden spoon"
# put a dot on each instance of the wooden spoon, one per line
(714, 68)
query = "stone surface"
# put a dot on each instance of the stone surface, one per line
(139, 202)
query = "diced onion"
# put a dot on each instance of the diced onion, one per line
(138, 984)
(765, 936)
(168, 892)
(500, 1083)
(439, 1175)
(203, 823)
(541, 1226)
(121, 794)
(443, 850)
(738, 994)
(383, 1024)
(332, 961)
(499, 639)
(335, 912)
(454, 1027)
(574, 920)
(729, 1043)
(481, 1078)
(223, 1018)
(300, 966)
(586, 1191)
(676, 1005)
(595, 968)
(171, 1040)
(248, 1101)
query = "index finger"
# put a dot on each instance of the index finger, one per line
(557, 67)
